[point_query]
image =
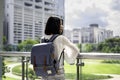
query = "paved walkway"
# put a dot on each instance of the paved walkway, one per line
(9, 74)
(115, 77)
(13, 76)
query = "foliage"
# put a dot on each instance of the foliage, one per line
(110, 45)
(4, 40)
(111, 61)
(79, 46)
(26, 45)
(31, 74)
(7, 47)
(89, 47)
(3, 67)
(86, 47)
(17, 70)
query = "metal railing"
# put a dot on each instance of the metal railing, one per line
(102, 56)
(23, 55)
(79, 64)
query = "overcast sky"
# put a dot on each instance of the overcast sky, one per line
(81, 13)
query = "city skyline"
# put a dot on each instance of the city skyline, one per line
(81, 13)
(91, 34)
(26, 19)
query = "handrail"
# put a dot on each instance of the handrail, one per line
(23, 56)
(11, 53)
(99, 56)
(81, 56)
(105, 56)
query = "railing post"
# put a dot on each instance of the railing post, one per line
(27, 60)
(1, 68)
(79, 63)
(77, 68)
(23, 67)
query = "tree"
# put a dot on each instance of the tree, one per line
(110, 45)
(26, 45)
(89, 47)
(4, 40)
(7, 47)
(80, 47)
(31, 74)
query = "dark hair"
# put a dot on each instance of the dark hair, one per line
(53, 26)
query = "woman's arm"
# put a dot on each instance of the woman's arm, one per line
(71, 51)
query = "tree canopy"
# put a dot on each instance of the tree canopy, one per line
(27, 45)
(110, 45)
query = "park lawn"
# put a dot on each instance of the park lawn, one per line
(8, 78)
(70, 73)
(91, 68)
(89, 71)
(17, 70)
(96, 67)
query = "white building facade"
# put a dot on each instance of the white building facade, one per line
(76, 36)
(91, 34)
(26, 19)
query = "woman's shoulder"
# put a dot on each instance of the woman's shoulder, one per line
(59, 37)
(62, 38)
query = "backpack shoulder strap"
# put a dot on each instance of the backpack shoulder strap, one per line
(53, 37)
(62, 53)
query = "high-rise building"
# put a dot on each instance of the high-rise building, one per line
(68, 34)
(1, 21)
(76, 36)
(91, 34)
(26, 19)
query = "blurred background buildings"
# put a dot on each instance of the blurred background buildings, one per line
(26, 19)
(91, 34)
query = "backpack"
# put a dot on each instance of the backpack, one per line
(42, 58)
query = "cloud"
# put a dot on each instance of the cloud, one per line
(72, 10)
(81, 13)
(115, 5)
(92, 15)
(114, 17)
(114, 22)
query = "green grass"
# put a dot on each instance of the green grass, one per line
(89, 71)
(17, 70)
(101, 68)
(91, 68)
(8, 78)
(70, 73)
(9, 62)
